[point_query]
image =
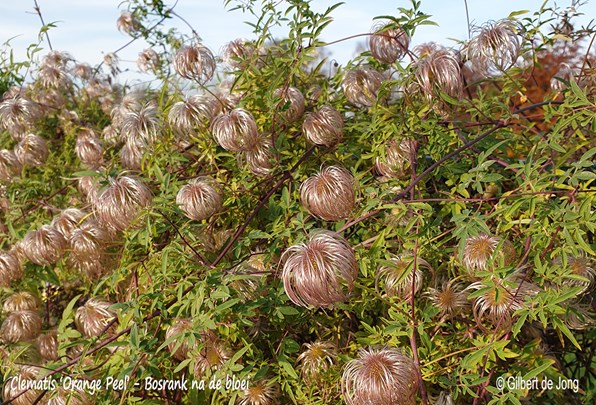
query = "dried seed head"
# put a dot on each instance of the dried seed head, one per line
(89, 149)
(68, 220)
(56, 58)
(21, 301)
(117, 205)
(89, 187)
(127, 23)
(131, 156)
(324, 126)
(314, 273)
(565, 74)
(480, 252)
(495, 48)
(12, 387)
(52, 76)
(148, 60)
(398, 157)
(110, 134)
(260, 392)
(291, 106)
(178, 328)
(237, 53)
(212, 355)
(380, 376)
(195, 62)
(87, 242)
(44, 246)
(329, 194)
(316, 359)
(17, 113)
(259, 159)
(450, 299)
(21, 326)
(579, 316)
(11, 268)
(500, 299)
(32, 150)
(47, 343)
(194, 112)
(200, 198)
(437, 70)
(388, 43)
(361, 86)
(400, 275)
(92, 318)
(579, 266)
(83, 71)
(10, 166)
(140, 127)
(236, 130)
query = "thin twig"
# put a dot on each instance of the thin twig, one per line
(38, 11)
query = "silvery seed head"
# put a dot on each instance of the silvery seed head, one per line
(127, 23)
(291, 103)
(437, 70)
(10, 166)
(388, 43)
(400, 275)
(361, 86)
(68, 220)
(92, 318)
(43, 246)
(329, 194)
(195, 62)
(11, 267)
(21, 326)
(398, 157)
(148, 60)
(321, 271)
(118, 204)
(32, 150)
(324, 126)
(236, 130)
(20, 301)
(200, 198)
(380, 376)
(177, 328)
(196, 111)
(47, 343)
(89, 149)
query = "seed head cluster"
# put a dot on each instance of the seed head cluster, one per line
(329, 194)
(200, 198)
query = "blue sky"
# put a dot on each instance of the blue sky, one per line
(87, 28)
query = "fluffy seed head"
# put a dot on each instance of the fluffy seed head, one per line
(324, 126)
(131, 156)
(500, 299)
(148, 60)
(68, 220)
(314, 273)
(579, 266)
(261, 392)
(83, 71)
(481, 251)
(32, 150)
(237, 52)
(329, 194)
(127, 23)
(316, 359)
(400, 274)
(93, 317)
(398, 157)
(212, 355)
(140, 127)
(89, 187)
(194, 112)
(259, 159)
(47, 343)
(12, 387)
(10, 166)
(195, 62)
(361, 86)
(495, 47)
(291, 104)
(450, 299)
(380, 376)
(236, 130)
(17, 113)
(87, 243)
(89, 149)
(11, 268)
(120, 202)
(388, 43)
(44, 246)
(177, 328)
(200, 198)
(21, 326)
(20, 301)
(437, 69)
